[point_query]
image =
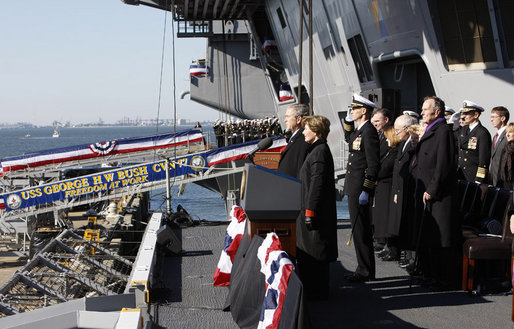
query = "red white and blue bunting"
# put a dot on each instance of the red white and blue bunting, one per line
(233, 236)
(276, 267)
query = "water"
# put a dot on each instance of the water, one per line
(200, 203)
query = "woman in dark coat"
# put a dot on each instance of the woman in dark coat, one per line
(380, 210)
(316, 228)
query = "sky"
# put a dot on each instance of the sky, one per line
(83, 60)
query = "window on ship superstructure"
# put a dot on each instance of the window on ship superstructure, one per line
(506, 26)
(360, 58)
(467, 34)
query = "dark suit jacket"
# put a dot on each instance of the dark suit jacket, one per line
(382, 201)
(400, 213)
(474, 153)
(319, 195)
(294, 154)
(363, 160)
(434, 171)
(496, 155)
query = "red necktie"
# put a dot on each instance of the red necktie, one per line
(495, 139)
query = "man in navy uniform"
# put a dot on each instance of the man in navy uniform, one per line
(474, 145)
(295, 152)
(362, 169)
(499, 119)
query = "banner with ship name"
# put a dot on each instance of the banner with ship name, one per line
(104, 181)
(129, 176)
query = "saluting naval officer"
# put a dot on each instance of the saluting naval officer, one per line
(474, 145)
(362, 169)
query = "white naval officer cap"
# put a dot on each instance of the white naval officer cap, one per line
(359, 101)
(448, 110)
(412, 114)
(468, 106)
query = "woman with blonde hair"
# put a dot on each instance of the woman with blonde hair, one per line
(316, 229)
(380, 210)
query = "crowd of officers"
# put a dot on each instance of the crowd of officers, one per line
(408, 170)
(240, 131)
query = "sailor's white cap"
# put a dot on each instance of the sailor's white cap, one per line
(468, 106)
(412, 114)
(359, 101)
(448, 110)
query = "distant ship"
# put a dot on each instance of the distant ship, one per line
(56, 132)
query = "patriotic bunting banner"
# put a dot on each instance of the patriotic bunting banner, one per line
(81, 152)
(239, 151)
(276, 267)
(233, 236)
(121, 177)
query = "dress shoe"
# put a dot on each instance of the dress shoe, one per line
(383, 253)
(356, 277)
(390, 257)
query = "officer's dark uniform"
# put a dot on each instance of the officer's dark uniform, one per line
(362, 169)
(474, 151)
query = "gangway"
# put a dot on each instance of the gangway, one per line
(46, 166)
(127, 180)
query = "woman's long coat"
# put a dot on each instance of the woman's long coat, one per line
(319, 195)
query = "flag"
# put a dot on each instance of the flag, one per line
(276, 267)
(233, 236)
(2, 203)
(198, 70)
(285, 93)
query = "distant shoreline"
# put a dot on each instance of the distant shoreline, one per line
(207, 124)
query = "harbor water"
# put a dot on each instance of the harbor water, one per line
(199, 202)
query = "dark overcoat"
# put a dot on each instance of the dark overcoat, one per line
(382, 200)
(294, 154)
(319, 195)
(474, 153)
(400, 213)
(434, 171)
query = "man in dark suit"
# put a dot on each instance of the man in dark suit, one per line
(474, 145)
(360, 180)
(499, 119)
(295, 152)
(433, 167)
(381, 119)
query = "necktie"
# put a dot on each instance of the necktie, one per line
(495, 139)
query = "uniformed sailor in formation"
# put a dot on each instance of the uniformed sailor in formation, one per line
(474, 145)
(362, 169)
(240, 131)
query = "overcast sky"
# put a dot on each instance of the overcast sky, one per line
(82, 60)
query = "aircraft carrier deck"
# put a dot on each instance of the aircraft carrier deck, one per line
(188, 299)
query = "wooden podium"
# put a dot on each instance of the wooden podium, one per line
(272, 202)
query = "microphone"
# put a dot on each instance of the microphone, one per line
(261, 146)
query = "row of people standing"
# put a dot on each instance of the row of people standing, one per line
(240, 131)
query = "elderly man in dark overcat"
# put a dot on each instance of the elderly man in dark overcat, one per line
(360, 180)
(433, 168)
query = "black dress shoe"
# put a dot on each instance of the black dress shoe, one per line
(390, 257)
(356, 277)
(379, 247)
(383, 253)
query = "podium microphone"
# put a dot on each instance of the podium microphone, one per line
(261, 146)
